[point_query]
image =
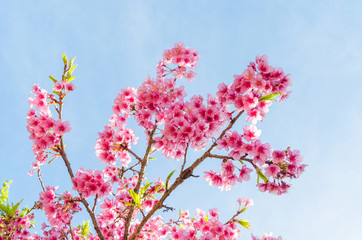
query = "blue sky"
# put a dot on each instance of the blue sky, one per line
(118, 43)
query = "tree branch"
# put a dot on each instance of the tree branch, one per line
(144, 162)
(85, 203)
(184, 163)
(41, 181)
(131, 152)
(95, 203)
(70, 171)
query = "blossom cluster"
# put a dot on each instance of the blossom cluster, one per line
(253, 92)
(204, 227)
(45, 131)
(91, 183)
(182, 57)
(115, 136)
(276, 164)
(258, 80)
(283, 165)
(112, 143)
(190, 123)
(63, 86)
(59, 210)
(226, 178)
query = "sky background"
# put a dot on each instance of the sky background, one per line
(118, 44)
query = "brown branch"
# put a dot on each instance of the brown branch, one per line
(70, 171)
(41, 181)
(122, 171)
(85, 203)
(241, 158)
(185, 174)
(184, 163)
(144, 162)
(70, 229)
(95, 203)
(35, 206)
(227, 157)
(233, 217)
(131, 152)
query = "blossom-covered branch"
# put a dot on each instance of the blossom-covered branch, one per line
(173, 126)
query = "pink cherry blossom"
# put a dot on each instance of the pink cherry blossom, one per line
(62, 127)
(251, 133)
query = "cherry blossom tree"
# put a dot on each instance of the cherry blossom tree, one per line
(128, 204)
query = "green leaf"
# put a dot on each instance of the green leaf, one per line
(72, 68)
(244, 222)
(143, 189)
(65, 60)
(71, 62)
(135, 197)
(152, 158)
(84, 229)
(24, 211)
(243, 210)
(56, 92)
(4, 208)
(169, 176)
(70, 79)
(270, 97)
(14, 208)
(52, 78)
(262, 176)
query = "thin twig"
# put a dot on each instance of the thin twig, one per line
(85, 203)
(41, 181)
(184, 163)
(35, 206)
(70, 229)
(131, 152)
(241, 158)
(95, 203)
(228, 157)
(233, 217)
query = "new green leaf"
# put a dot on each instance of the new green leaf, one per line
(144, 188)
(52, 78)
(270, 97)
(169, 176)
(245, 223)
(4, 208)
(262, 176)
(65, 60)
(14, 208)
(135, 197)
